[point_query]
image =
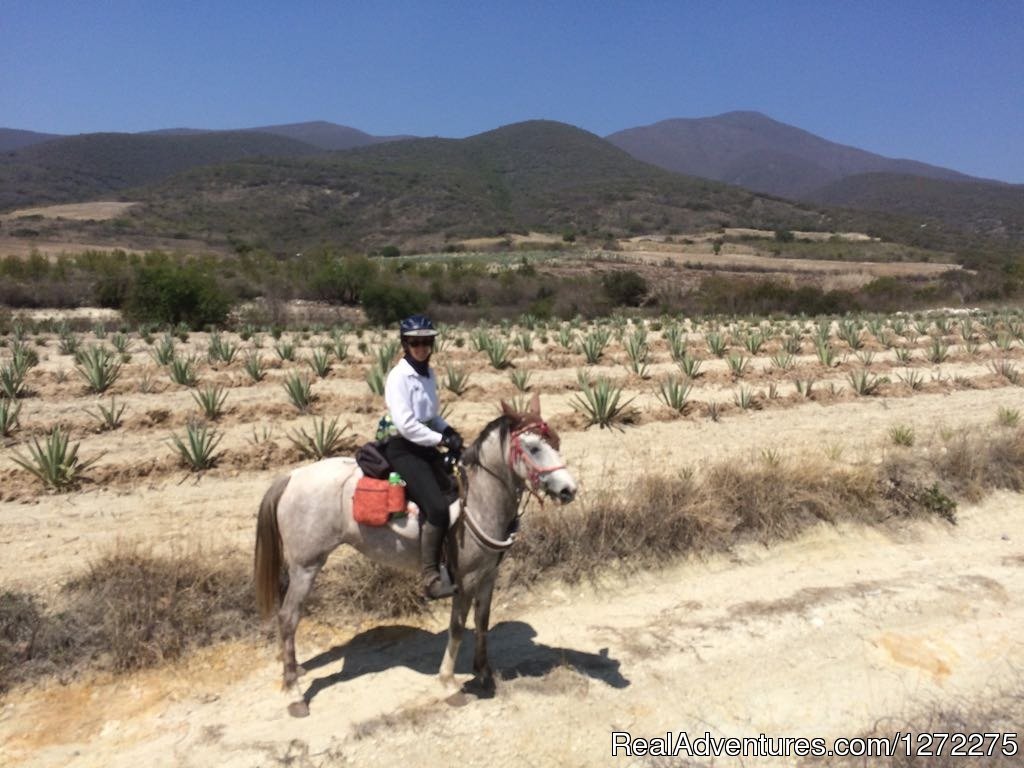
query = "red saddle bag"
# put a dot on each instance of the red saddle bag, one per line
(375, 500)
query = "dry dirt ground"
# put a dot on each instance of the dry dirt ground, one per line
(820, 636)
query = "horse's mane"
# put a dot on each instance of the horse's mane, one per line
(471, 456)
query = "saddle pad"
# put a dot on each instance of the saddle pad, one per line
(375, 500)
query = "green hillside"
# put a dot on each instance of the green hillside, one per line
(986, 210)
(534, 175)
(89, 166)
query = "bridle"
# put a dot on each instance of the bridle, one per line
(516, 452)
(536, 473)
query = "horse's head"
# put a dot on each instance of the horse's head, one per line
(533, 453)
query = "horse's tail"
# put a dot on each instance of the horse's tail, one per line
(269, 557)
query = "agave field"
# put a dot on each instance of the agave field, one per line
(106, 407)
(167, 438)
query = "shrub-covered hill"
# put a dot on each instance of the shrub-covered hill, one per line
(974, 208)
(535, 175)
(77, 168)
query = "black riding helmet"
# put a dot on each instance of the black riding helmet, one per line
(416, 325)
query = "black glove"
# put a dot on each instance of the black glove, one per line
(451, 440)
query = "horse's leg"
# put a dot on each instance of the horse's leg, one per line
(482, 618)
(300, 582)
(456, 626)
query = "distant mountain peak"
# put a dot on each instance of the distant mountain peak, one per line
(758, 152)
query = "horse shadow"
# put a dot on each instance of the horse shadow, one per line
(511, 642)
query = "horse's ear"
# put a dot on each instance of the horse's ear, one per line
(534, 409)
(508, 410)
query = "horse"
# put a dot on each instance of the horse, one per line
(306, 514)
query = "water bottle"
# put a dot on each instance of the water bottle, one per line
(396, 495)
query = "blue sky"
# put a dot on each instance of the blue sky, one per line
(933, 80)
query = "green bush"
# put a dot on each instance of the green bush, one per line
(626, 288)
(386, 303)
(163, 291)
(339, 279)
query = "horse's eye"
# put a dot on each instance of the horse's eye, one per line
(534, 449)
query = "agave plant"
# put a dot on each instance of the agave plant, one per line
(325, 439)
(1007, 370)
(717, 344)
(12, 382)
(163, 350)
(744, 398)
(690, 366)
(826, 354)
(68, 344)
(738, 365)
(375, 378)
(674, 393)
(865, 383)
(566, 337)
(386, 354)
(521, 378)
(285, 350)
(9, 410)
(637, 351)
(805, 388)
(754, 342)
(210, 401)
(320, 362)
(55, 462)
(902, 435)
(99, 368)
(219, 350)
(23, 358)
(1007, 417)
(253, 365)
(592, 346)
(783, 360)
(299, 392)
(498, 353)
(339, 347)
(108, 418)
(197, 448)
(913, 379)
(456, 380)
(182, 370)
(938, 351)
(601, 403)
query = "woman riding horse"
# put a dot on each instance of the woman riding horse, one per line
(418, 428)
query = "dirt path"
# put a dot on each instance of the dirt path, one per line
(817, 637)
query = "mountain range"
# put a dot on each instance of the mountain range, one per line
(504, 178)
(750, 150)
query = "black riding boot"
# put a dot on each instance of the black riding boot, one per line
(431, 541)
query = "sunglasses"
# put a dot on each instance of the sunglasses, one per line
(427, 342)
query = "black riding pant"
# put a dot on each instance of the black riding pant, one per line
(422, 468)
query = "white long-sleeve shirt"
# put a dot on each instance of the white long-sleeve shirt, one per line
(412, 404)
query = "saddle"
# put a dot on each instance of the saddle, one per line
(376, 499)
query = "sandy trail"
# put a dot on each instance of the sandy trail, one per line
(819, 636)
(815, 637)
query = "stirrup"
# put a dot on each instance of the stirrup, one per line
(437, 589)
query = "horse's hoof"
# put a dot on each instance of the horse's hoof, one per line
(298, 709)
(448, 682)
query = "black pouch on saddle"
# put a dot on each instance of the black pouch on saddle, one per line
(372, 461)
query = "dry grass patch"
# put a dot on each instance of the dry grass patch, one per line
(998, 715)
(129, 610)
(132, 609)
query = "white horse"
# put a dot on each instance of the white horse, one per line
(307, 514)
